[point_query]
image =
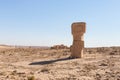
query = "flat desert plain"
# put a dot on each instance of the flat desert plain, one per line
(54, 64)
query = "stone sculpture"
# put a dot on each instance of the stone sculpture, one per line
(78, 30)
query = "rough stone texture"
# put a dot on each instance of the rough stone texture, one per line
(78, 30)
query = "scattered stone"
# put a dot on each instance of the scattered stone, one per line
(103, 64)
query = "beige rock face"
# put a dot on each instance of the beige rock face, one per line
(78, 30)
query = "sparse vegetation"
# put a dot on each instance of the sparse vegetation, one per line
(31, 78)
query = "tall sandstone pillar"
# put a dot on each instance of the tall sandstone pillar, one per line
(78, 30)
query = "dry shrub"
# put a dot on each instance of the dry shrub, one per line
(31, 78)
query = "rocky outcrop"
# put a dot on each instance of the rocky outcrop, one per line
(59, 47)
(78, 30)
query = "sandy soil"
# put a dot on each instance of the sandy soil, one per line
(4, 47)
(47, 64)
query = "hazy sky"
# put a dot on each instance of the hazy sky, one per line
(48, 22)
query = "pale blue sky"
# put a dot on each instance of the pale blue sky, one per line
(48, 22)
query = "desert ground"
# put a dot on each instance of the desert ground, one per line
(54, 64)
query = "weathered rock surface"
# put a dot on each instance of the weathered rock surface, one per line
(78, 30)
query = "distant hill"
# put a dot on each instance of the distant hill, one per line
(5, 46)
(2, 46)
(42, 47)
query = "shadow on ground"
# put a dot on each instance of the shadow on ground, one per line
(49, 61)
